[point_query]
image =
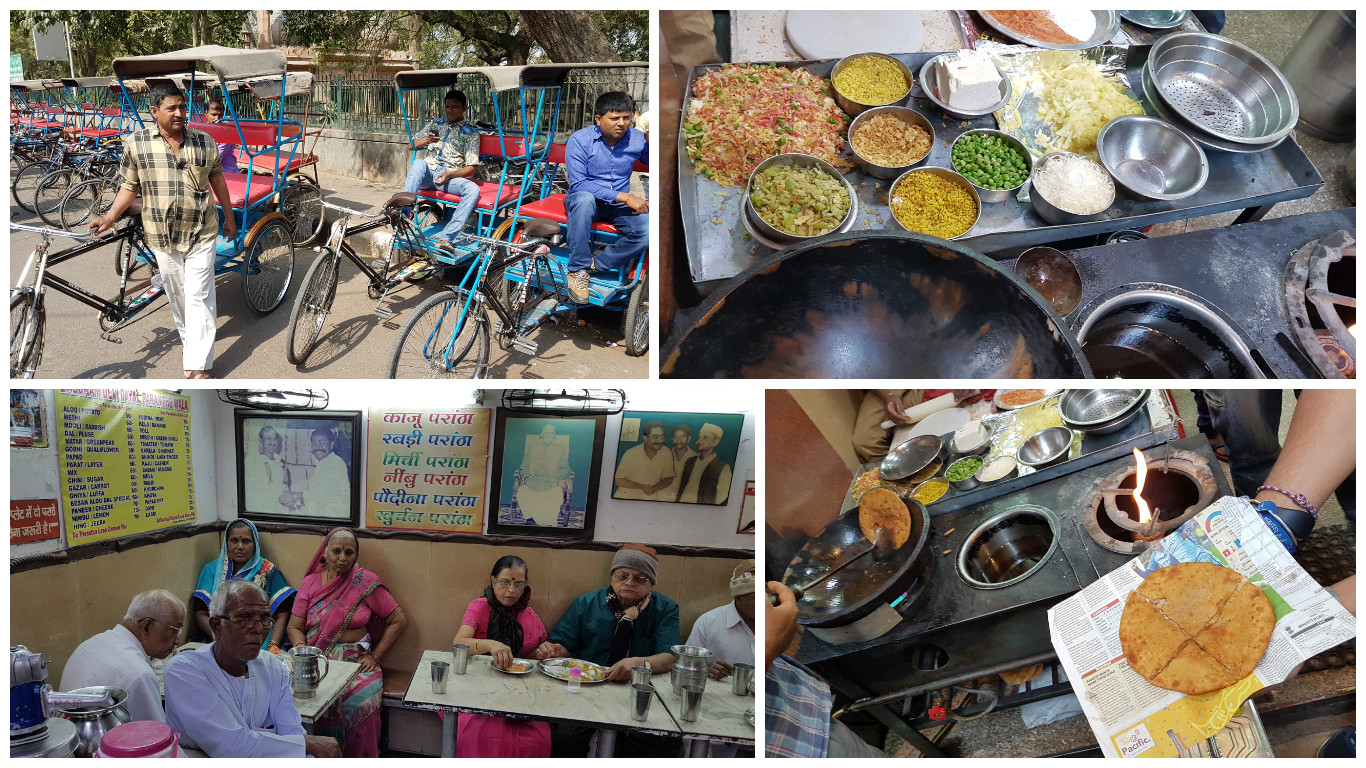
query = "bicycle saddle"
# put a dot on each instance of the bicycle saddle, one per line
(401, 200)
(134, 209)
(541, 228)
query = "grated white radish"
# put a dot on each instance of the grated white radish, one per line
(1075, 184)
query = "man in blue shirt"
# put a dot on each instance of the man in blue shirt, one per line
(449, 164)
(598, 161)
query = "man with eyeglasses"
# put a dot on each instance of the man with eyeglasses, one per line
(623, 625)
(178, 173)
(120, 656)
(228, 699)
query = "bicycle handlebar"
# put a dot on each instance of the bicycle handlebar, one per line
(352, 212)
(49, 232)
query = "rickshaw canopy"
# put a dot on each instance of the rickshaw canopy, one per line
(503, 78)
(87, 82)
(228, 63)
(268, 88)
(28, 86)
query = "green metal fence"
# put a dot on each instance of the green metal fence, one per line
(372, 105)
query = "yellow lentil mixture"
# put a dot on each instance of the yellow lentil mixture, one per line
(927, 204)
(931, 491)
(886, 141)
(872, 80)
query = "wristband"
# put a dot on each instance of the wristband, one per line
(1298, 498)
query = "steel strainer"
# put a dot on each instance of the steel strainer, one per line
(1223, 87)
(1088, 407)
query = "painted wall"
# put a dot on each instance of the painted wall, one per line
(34, 471)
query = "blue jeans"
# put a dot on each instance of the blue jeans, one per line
(421, 177)
(583, 210)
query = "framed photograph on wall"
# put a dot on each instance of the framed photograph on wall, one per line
(299, 466)
(677, 457)
(545, 474)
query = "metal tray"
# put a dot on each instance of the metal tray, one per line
(1156, 19)
(1236, 181)
(996, 401)
(531, 665)
(1107, 25)
(559, 669)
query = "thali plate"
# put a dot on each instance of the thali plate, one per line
(1106, 26)
(559, 669)
(529, 664)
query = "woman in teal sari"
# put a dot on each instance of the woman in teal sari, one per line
(240, 558)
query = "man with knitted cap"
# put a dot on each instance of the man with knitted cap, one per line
(623, 625)
(728, 631)
(705, 478)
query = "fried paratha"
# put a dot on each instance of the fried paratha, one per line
(880, 508)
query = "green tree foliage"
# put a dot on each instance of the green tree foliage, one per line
(100, 36)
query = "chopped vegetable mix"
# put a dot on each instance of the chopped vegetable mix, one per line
(799, 201)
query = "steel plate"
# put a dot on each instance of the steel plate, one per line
(1106, 26)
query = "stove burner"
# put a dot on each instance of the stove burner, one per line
(1009, 547)
(1320, 297)
(1179, 485)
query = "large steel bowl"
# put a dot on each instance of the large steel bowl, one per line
(1045, 447)
(929, 83)
(1224, 87)
(875, 305)
(1151, 159)
(798, 161)
(1050, 212)
(854, 108)
(1093, 407)
(904, 114)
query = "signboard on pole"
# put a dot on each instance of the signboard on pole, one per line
(50, 44)
(16, 67)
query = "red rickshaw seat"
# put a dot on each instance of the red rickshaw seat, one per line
(267, 163)
(553, 208)
(489, 196)
(246, 189)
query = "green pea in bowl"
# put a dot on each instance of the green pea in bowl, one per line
(993, 194)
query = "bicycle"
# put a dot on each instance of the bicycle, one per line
(314, 300)
(432, 345)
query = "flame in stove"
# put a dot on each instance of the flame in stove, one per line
(1141, 468)
(1352, 329)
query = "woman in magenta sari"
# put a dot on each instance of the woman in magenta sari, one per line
(346, 611)
(500, 624)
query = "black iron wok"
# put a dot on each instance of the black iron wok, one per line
(860, 587)
(876, 305)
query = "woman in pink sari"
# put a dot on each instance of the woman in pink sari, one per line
(500, 624)
(338, 606)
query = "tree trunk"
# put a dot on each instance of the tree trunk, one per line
(569, 36)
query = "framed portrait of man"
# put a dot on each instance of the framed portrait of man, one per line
(687, 458)
(545, 474)
(299, 466)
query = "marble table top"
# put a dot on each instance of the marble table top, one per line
(535, 696)
(722, 716)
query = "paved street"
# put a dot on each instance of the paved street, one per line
(355, 343)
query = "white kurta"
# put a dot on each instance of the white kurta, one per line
(329, 488)
(265, 481)
(226, 716)
(116, 658)
(638, 467)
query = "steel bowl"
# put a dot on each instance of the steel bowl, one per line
(904, 114)
(1156, 19)
(1093, 407)
(913, 456)
(1045, 447)
(1052, 213)
(948, 175)
(938, 499)
(929, 83)
(967, 483)
(973, 450)
(771, 232)
(1164, 110)
(1014, 469)
(1224, 87)
(986, 194)
(854, 108)
(1151, 159)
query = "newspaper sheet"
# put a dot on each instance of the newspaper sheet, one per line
(1134, 718)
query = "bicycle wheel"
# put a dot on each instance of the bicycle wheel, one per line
(311, 306)
(52, 190)
(636, 324)
(421, 349)
(26, 325)
(301, 203)
(25, 184)
(86, 201)
(267, 263)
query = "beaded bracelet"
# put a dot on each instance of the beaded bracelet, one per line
(1298, 498)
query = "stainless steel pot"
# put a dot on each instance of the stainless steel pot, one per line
(690, 667)
(1322, 70)
(93, 722)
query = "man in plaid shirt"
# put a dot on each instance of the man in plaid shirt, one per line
(173, 167)
(449, 164)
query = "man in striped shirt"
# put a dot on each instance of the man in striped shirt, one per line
(173, 167)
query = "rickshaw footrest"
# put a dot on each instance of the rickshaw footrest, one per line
(525, 346)
(542, 310)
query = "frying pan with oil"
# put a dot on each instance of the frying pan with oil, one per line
(859, 588)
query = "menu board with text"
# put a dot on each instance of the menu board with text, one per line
(426, 469)
(124, 459)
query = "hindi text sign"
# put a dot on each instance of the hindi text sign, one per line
(426, 468)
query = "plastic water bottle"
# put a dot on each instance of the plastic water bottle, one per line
(575, 679)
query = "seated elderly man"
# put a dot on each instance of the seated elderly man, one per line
(728, 632)
(625, 624)
(226, 698)
(119, 657)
